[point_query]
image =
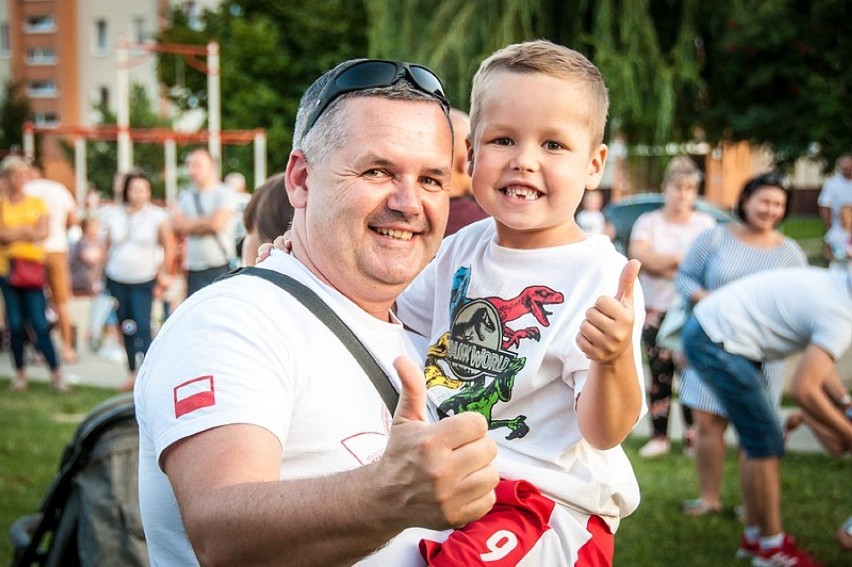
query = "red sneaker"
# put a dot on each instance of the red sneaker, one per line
(747, 549)
(785, 555)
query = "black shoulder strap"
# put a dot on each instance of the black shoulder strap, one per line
(324, 313)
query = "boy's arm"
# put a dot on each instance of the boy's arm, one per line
(611, 400)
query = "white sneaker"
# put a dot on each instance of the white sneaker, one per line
(656, 447)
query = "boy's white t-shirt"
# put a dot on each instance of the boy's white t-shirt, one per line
(502, 325)
(245, 351)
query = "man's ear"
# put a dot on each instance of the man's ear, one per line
(296, 179)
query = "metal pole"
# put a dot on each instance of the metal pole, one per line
(259, 158)
(81, 174)
(171, 171)
(29, 142)
(214, 118)
(123, 99)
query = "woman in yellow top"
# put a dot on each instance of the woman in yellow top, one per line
(23, 227)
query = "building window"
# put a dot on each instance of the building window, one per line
(40, 24)
(140, 35)
(193, 15)
(100, 38)
(41, 56)
(46, 119)
(42, 89)
(4, 40)
(103, 97)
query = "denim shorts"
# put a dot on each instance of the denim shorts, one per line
(738, 383)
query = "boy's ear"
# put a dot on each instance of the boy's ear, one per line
(596, 167)
(469, 157)
(296, 179)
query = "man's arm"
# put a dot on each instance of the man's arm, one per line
(236, 511)
(201, 226)
(813, 379)
(611, 400)
(655, 263)
(825, 215)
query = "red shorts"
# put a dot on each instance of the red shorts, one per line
(525, 528)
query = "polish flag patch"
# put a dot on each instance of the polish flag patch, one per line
(194, 394)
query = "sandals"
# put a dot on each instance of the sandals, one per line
(699, 507)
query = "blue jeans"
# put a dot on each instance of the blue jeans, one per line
(197, 279)
(27, 306)
(739, 385)
(134, 316)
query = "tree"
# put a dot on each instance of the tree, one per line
(15, 110)
(270, 52)
(102, 156)
(777, 72)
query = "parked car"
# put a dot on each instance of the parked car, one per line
(624, 213)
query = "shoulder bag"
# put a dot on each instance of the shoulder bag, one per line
(323, 312)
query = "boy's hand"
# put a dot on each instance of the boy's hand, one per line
(607, 331)
(265, 249)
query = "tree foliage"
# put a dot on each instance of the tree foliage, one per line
(102, 156)
(14, 112)
(773, 72)
(270, 51)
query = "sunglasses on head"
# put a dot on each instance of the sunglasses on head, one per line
(375, 73)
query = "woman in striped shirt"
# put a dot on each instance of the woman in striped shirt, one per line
(718, 256)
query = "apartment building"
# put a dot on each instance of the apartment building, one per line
(64, 54)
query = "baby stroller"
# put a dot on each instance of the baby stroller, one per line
(90, 514)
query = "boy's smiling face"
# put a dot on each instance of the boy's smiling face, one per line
(533, 157)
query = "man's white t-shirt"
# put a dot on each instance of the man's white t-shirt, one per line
(836, 192)
(245, 351)
(773, 314)
(502, 325)
(60, 204)
(210, 250)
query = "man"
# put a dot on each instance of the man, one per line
(836, 192)
(261, 440)
(769, 316)
(63, 215)
(463, 207)
(204, 216)
(237, 182)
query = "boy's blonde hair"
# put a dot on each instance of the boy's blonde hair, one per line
(547, 58)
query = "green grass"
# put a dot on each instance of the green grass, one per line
(808, 231)
(36, 425)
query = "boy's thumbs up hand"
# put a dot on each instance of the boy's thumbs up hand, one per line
(608, 329)
(440, 473)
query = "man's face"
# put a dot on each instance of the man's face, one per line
(846, 167)
(373, 216)
(199, 167)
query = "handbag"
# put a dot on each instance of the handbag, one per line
(26, 274)
(668, 335)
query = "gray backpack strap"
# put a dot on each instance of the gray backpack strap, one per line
(323, 312)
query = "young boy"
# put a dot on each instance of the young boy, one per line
(533, 323)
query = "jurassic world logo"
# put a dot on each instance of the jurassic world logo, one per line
(475, 342)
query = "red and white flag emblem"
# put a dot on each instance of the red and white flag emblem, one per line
(194, 394)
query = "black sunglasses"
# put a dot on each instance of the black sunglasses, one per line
(374, 73)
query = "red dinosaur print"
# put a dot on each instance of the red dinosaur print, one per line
(530, 300)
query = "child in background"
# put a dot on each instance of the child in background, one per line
(838, 239)
(86, 260)
(534, 323)
(590, 217)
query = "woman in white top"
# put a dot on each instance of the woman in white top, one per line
(659, 239)
(140, 247)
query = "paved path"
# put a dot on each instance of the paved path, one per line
(96, 371)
